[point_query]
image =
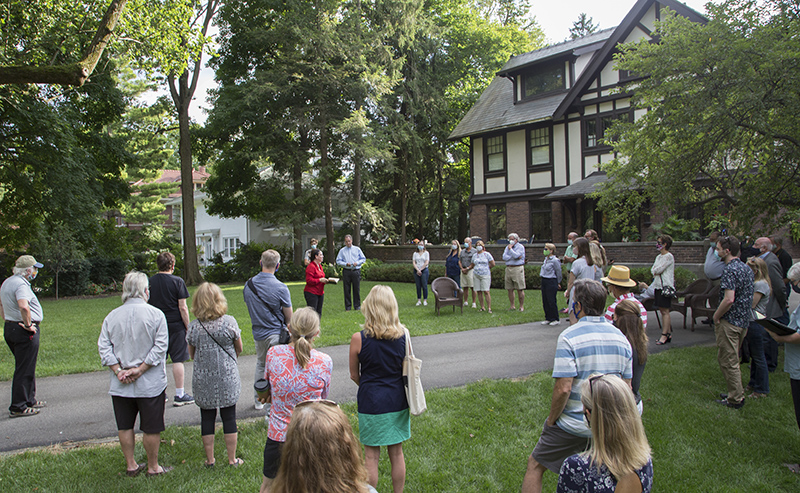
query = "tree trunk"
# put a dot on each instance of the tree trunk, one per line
(326, 185)
(182, 98)
(297, 225)
(357, 158)
(440, 205)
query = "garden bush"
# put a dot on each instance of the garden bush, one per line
(683, 276)
(108, 270)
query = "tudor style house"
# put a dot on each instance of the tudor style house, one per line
(536, 133)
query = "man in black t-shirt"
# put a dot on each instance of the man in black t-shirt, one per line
(168, 293)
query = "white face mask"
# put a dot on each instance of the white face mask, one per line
(480, 248)
(453, 247)
(511, 242)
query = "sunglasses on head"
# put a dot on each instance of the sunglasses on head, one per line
(312, 401)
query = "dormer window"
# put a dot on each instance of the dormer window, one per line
(543, 79)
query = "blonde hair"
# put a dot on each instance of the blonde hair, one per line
(209, 303)
(629, 322)
(759, 267)
(597, 253)
(304, 327)
(381, 320)
(550, 247)
(321, 453)
(618, 438)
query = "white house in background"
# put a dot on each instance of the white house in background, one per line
(535, 134)
(215, 234)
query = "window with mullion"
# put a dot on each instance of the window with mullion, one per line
(495, 154)
(540, 146)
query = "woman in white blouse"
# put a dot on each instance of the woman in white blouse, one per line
(663, 271)
(482, 263)
(420, 260)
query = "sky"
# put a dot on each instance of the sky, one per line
(554, 17)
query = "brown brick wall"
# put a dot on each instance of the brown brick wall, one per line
(478, 224)
(518, 219)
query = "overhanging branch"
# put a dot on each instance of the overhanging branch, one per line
(74, 74)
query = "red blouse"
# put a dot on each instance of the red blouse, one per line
(314, 273)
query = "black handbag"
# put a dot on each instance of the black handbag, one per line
(667, 291)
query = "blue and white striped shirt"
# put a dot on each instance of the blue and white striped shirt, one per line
(590, 346)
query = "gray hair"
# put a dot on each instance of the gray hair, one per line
(21, 271)
(591, 295)
(513, 236)
(135, 286)
(270, 259)
(794, 272)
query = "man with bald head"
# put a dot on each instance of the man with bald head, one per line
(777, 298)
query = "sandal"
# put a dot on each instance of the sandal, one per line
(132, 473)
(39, 404)
(795, 468)
(29, 411)
(209, 465)
(236, 463)
(490, 311)
(163, 470)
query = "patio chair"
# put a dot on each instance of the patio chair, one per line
(699, 287)
(704, 304)
(446, 292)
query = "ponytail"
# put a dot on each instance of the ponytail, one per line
(304, 326)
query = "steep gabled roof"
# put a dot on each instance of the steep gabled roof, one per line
(621, 32)
(495, 109)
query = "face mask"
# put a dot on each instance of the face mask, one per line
(511, 242)
(466, 245)
(546, 253)
(453, 247)
(420, 247)
(716, 255)
(32, 276)
(277, 267)
(480, 248)
(575, 309)
(659, 246)
(569, 242)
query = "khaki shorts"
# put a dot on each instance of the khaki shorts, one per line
(466, 280)
(483, 283)
(515, 277)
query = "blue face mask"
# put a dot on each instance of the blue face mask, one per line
(569, 242)
(466, 245)
(575, 309)
(716, 255)
(420, 247)
(277, 267)
(453, 247)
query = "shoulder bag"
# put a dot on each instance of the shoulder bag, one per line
(284, 336)
(667, 291)
(215, 340)
(411, 377)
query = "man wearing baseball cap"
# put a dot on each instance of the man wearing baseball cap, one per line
(22, 313)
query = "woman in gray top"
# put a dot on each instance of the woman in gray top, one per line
(214, 343)
(756, 335)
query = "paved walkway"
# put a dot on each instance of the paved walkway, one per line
(79, 407)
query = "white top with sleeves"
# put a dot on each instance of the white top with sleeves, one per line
(663, 270)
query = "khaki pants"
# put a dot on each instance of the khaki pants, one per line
(729, 340)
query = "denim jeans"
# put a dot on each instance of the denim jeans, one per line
(759, 375)
(422, 283)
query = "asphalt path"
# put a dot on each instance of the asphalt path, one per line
(79, 408)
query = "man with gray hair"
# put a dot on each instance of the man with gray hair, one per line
(350, 259)
(133, 345)
(270, 306)
(22, 313)
(590, 346)
(514, 257)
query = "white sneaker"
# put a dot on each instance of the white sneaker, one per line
(546, 322)
(425, 303)
(466, 303)
(419, 303)
(555, 322)
(259, 405)
(474, 305)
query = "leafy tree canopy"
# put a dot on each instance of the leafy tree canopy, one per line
(721, 125)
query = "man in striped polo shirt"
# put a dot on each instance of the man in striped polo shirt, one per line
(590, 346)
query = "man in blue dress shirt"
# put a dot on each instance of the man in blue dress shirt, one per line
(350, 259)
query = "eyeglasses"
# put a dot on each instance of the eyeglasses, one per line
(592, 380)
(312, 401)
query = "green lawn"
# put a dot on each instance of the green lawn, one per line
(477, 439)
(71, 326)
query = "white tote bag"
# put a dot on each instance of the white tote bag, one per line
(411, 373)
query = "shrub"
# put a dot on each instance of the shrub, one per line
(74, 279)
(683, 276)
(108, 270)
(218, 271)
